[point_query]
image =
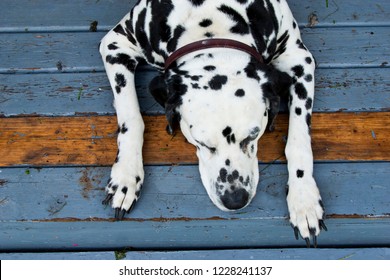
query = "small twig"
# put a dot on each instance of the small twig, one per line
(335, 11)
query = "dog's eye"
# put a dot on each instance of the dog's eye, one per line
(252, 136)
(211, 149)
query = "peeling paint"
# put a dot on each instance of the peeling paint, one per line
(89, 182)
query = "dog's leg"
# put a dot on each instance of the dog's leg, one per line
(120, 57)
(303, 197)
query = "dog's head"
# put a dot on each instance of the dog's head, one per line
(223, 107)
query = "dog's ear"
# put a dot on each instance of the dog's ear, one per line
(158, 89)
(281, 82)
(176, 89)
(167, 90)
(276, 88)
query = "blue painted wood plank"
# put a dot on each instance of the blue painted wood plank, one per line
(78, 52)
(270, 254)
(350, 90)
(249, 254)
(76, 15)
(59, 208)
(183, 234)
(177, 192)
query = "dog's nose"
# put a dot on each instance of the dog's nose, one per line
(235, 200)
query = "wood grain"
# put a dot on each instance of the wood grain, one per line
(43, 141)
(72, 94)
(76, 15)
(77, 52)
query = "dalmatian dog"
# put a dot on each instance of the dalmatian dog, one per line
(223, 97)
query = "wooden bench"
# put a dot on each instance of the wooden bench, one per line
(57, 142)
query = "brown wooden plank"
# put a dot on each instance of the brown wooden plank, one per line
(42, 141)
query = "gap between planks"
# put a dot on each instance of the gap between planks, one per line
(63, 141)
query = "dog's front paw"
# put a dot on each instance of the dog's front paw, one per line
(306, 209)
(123, 189)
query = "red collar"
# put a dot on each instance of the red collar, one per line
(212, 43)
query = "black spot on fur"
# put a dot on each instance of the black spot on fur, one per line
(308, 121)
(209, 68)
(197, 2)
(123, 129)
(209, 35)
(298, 111)
(294, 24)
(300, 173)
(227, 162)
(120, 80)
(124, 60)
(217, 82)
(137, 179)
(196, 77)
(142, 38)
(119, 29)
(241, 26)
(301, 45)
(308, 78)
(206, 22)
(298, 70)
(195, 85)
(223, 175)
(172, 44)
(251, 71)
(227, 131)
(308, 60)
(309, 103)
(240, 93)
(128, 33)
(230, 137)
(159, 25)
(301, 91)
(112, 46)
(124, 190)
(282, 43)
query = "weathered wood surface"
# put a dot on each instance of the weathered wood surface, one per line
(68, 94)
(40, 141)
(249, 254)
(59, 209)
(78, 52)
(57, 131)
(77, 15)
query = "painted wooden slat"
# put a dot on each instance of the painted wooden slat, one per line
(90, 93)
(39, 141)
(355, 190)
(78, 52)
(159, 234)
(273, 254)
(250, 254)
(60, 209)
(77, 15)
